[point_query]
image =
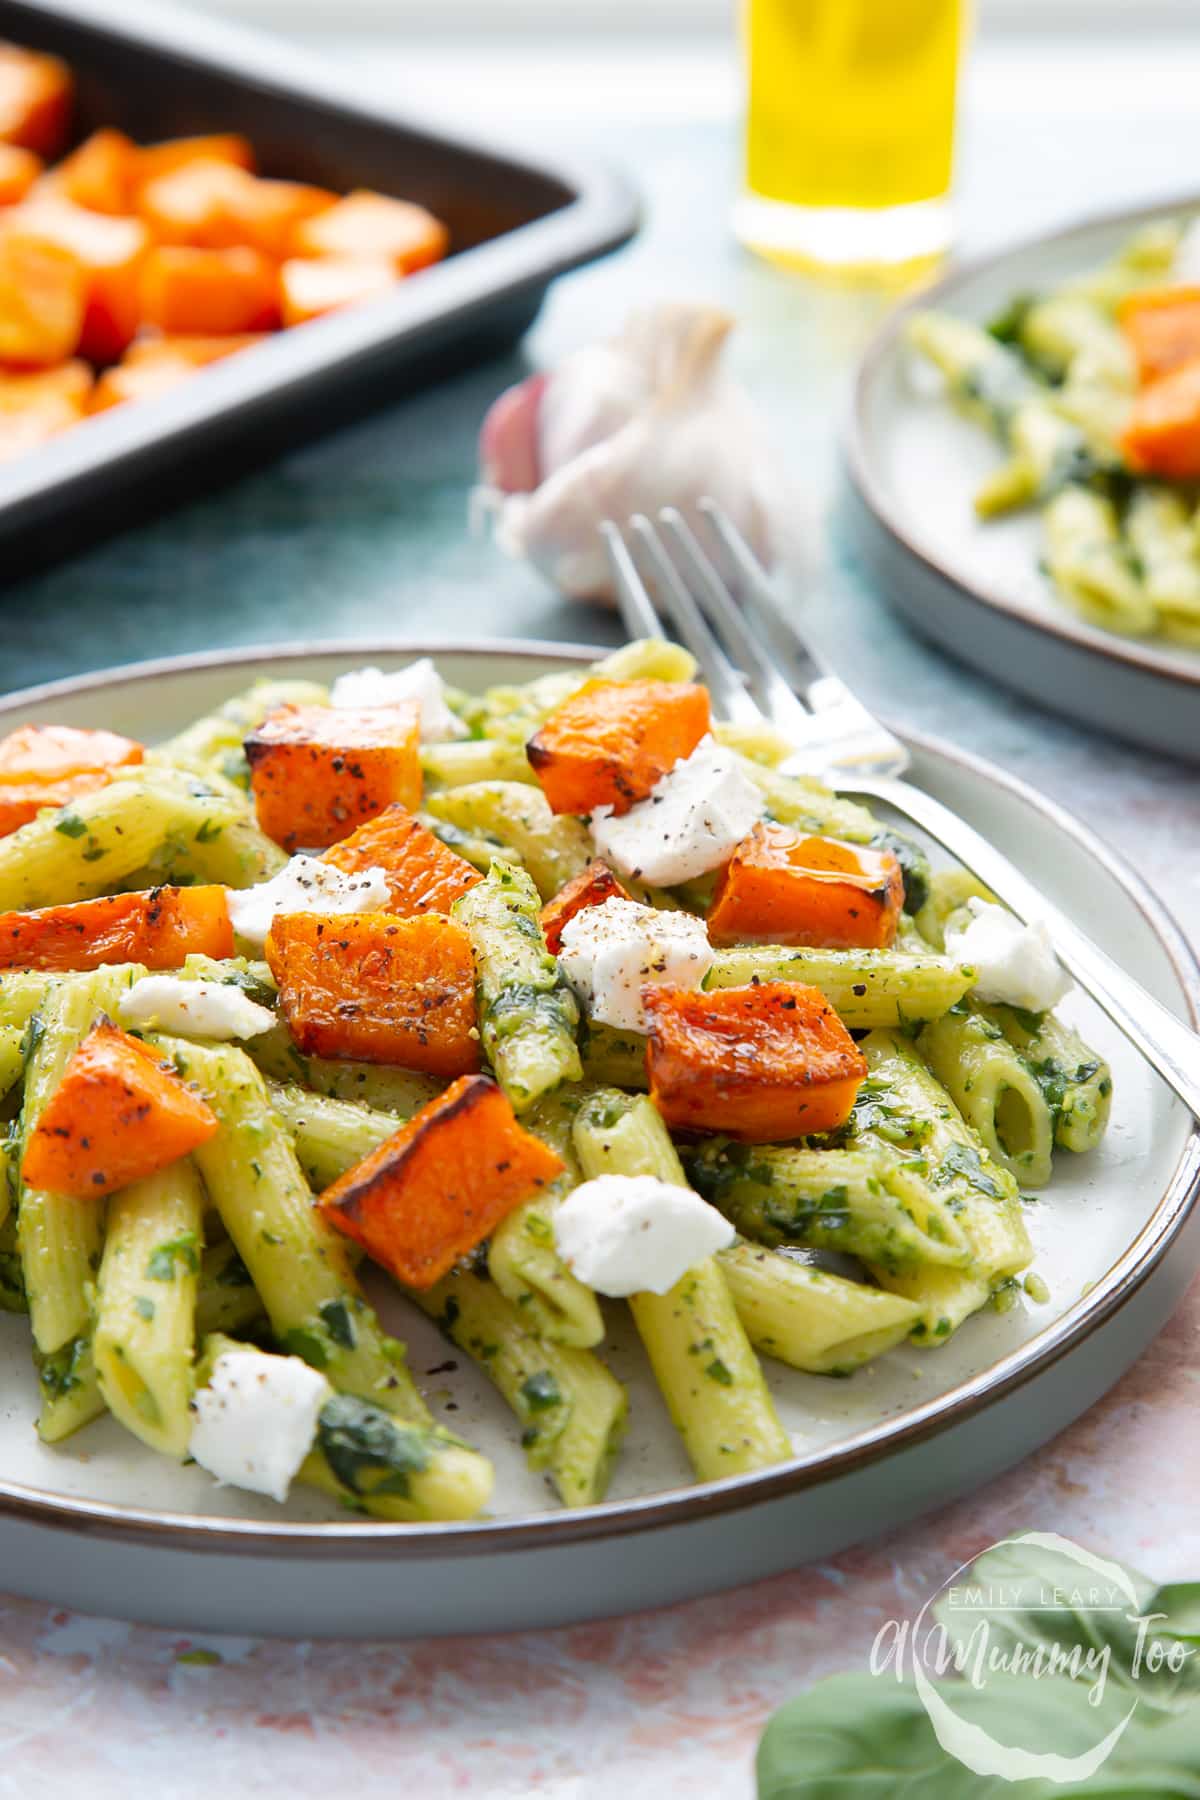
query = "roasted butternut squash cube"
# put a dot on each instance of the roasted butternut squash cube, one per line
(216, 205)
(43, 298)
(119, 1114)
(185, 291)
(372, 987)
(99, 175)
(19, 169)
(161, 928)
(612, 741)
(37, 405)
(317, 772)
(50, 752)
(442, 1184)
(311, 287)
(109, 250)
(424, 875)
(1162, 436)
(36, 93)
(763, 1064)
(1162, 327)
(154, 160)
(48, 765)
(376, 227)
(136, 381)
(591, 887)
(187, 350)
(783, 887)
(152, 366)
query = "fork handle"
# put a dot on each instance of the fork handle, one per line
(1168, 1045)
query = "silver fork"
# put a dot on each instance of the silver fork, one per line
(840, 741)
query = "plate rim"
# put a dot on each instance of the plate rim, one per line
(1141, 654)
(387, 1540)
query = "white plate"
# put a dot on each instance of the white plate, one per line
(101, 1524)
(975, 586)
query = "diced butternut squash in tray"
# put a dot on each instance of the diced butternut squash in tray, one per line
(783, 887)
(36, 93)
(763, 1063)
(209, 292)
(374, 225)
(154, 160)
(119, 1114)
(110, 251)
(372, 987)
(153, 365)
(311, 287)
(133, 257)
(591, 887)
(100, 175)
(317, 772)
(43, 298)
(217, 206)
(442, 1184)
(160, 928)
(39, 404)
(612, 741)
(19, 169)
(47, 765)
(424, 875)
(191, 350)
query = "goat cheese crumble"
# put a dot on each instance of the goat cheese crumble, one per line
(207, 1009)
(306, 885)
(691, 821)
(610, 952)
(419, 681)
(634, 1234)
(1015, 964)
(256, 1419)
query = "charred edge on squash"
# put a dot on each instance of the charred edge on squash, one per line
(392, 1163)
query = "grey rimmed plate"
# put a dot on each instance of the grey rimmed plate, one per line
(103, 1525)
(974, 587)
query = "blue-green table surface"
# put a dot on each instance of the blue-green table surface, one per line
(364, 534)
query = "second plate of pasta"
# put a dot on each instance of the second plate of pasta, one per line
(904, 1261)
(993, 497)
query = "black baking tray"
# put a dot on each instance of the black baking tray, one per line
(515, 224)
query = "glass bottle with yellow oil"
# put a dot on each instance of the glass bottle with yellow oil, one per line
(850, 116)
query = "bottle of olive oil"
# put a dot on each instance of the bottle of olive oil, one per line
(850, 129)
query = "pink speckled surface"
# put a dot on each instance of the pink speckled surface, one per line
(665, 1705)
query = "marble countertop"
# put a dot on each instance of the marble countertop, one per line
(364, 535)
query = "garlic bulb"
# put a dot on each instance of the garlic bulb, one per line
(644, 420)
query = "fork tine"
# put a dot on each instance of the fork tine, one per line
(633, 601)
(724, 683)
(837, 725)
(807, 662)
(768, 686)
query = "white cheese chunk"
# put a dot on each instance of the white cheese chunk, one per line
(418, 681)
(611, 952)
(634, 1234)
(691, 822)
(1185, 267)
(306, 885)
(207, 1009)
(256, 1419)
(1015, 964)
